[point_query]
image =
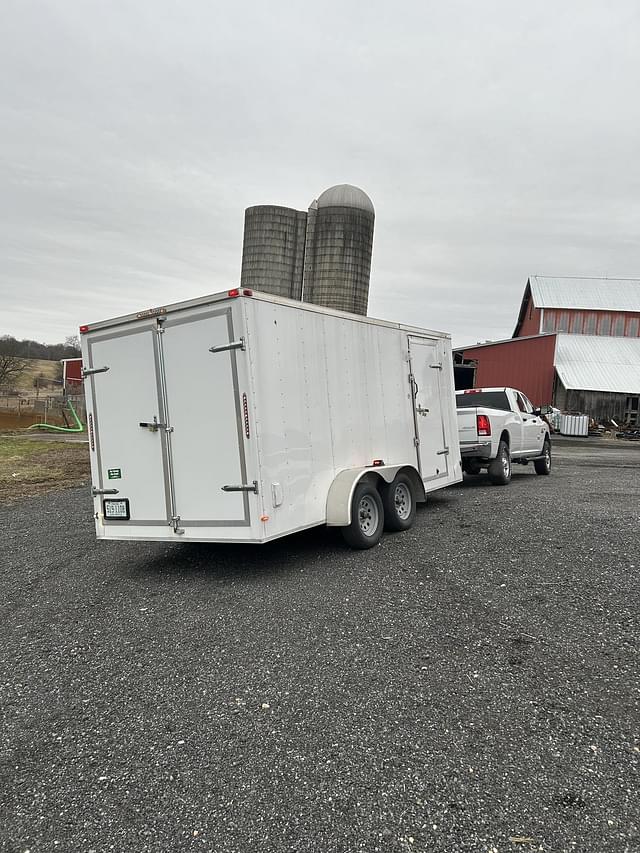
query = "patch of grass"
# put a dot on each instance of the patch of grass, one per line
(32, 466)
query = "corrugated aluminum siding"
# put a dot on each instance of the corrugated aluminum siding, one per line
(597, 363)
(598, 294)
(523, 363)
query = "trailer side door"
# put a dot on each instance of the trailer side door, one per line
(426, 358)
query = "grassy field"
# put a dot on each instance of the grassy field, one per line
(44, 369)
(32, 466)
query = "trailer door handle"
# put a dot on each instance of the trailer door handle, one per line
(244, 488)
(224, 347)
(90, 371)
(95, 491)
(155, 426)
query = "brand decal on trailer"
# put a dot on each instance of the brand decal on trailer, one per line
(114, 473)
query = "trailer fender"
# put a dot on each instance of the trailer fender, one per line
(342, 489)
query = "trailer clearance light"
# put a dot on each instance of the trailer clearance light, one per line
(484, 425)
(83, 329)
(473, 390)
(378, 462)
(233, 293)
(247, 292)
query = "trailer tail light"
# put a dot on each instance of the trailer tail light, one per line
(484, 425)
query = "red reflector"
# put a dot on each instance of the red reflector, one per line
(484, 425)
(378, 462)
(473, 391)
(234, 292)
(247, 292)
(83, 329)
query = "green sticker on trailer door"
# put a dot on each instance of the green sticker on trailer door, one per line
(114, 473)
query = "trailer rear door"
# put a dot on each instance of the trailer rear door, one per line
(131, 459)
(205, 413)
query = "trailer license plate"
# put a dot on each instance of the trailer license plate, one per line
(116, 509)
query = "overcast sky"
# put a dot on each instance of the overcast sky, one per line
(496, 140)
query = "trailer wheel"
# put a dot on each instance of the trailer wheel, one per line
(399, 504)
(543, 466)
(367, 518)
(500, 467)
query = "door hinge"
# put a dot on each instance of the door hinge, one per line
(96, 492)
(175, 521)
(232, 345)
(244, 488)
(91, 370)
(422, 411)
(416, 442)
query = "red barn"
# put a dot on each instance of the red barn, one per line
(576, 345)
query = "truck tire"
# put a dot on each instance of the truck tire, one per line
(470, 467)
(367, 518)
(543, 466)
(399, 504)
(500, 467)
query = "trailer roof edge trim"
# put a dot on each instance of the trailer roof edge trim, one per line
(223, 296)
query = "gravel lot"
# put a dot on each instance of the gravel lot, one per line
(471, 685)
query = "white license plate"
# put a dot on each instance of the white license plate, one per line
(116, 508)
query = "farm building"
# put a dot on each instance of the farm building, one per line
(576, 345)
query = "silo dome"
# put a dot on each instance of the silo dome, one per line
(346, 195)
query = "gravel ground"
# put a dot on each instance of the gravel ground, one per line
(471, 685)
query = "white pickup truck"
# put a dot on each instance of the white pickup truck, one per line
(499, 426)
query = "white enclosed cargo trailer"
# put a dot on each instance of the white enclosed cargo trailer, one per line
(242, 417)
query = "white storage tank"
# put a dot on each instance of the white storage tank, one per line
(574, 425)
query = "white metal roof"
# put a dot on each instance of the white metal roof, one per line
(598, 363)
(597, 294)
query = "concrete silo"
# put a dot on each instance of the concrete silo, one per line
(273, 250)
(337, 263)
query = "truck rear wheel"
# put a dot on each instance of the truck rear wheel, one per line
(367, 518)
(543, 466)
(500, 467)
(399, 504)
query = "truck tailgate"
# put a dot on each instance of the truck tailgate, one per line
(467, 425)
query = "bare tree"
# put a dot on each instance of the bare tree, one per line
(11, 368)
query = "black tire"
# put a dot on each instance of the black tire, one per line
(471, 468)
(399, 502)
(367, 518)
(500, 468)
(543, 466)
